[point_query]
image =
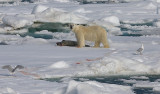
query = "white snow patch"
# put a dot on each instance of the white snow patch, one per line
(82, 10)
(129, 81)
(4, 28)
(54, 15)
(18, 40)
(150, 6)
(146, 84)
(62, 1)
(38, 9)
(116, 65)
(92, 87)
(113, 20)
(140, 77)
(60, 64)
(157, 89)
(16, 21)
(34, 41)
(7, 90)
(44, 32)
(157, 23)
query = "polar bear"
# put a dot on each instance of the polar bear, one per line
(90, 33)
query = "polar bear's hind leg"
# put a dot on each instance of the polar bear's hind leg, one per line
(105, 44)
(97, 44)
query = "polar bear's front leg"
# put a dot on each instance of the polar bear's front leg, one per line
(80, 40)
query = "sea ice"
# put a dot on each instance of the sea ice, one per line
(113, 20)
(92, 87)
(38, 9)
(54, 15)
(17, 22)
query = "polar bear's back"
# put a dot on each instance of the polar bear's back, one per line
(92, 28)
(93, 32)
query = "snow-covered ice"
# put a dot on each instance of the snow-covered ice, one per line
(16, 22)
(90, 87)
(43, 59)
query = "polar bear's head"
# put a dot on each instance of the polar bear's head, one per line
(74, 27)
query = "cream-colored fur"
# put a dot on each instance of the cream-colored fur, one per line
(90, 33)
